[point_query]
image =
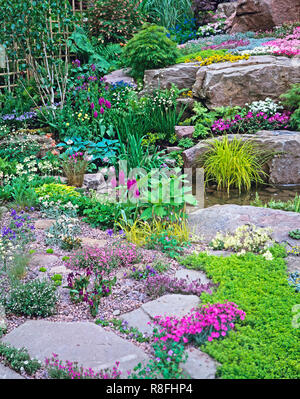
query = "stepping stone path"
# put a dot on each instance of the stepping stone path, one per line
(60, 270)
(43, 260)
(8, 374)
(93, 242)
(191, 275)
(87, 343)
(199, 365)
(293, 264)
(169, 305)
(43, 224)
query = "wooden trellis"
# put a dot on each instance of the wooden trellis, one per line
(10, 70)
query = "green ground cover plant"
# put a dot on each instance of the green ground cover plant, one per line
(266, 344)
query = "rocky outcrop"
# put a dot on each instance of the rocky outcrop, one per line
(245, 81)
(120, 75)
(254, 15)
(182, 75)
(227, 218)
(183, 132)
(225, 10)
(283, 168)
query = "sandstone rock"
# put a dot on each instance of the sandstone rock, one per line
(199, 365)
(245, 81)
(283, 168)
(87, 343)
(184, 131)
(118, 76)
(173, 149)
(225, 10)
(42, 260)
(186, 104)
(60, 270)
(43, 224)
(254, 15)
(227, 218)
(293, 264)
(182, 75)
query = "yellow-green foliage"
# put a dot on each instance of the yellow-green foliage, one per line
(232, 164)
(53, 190)
(203, 54)
(140, 231)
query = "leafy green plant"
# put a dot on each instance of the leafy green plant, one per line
(233, 164)
(186, 143)
(150, 48)
(97, 214)
(290, 205)
(263, 346)
(34, 298)
(18, 359)
(111, 26)
(295, 234)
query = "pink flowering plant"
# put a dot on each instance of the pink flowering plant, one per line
(251, 123)
(71, 371)
(288, 46)
(200, 326)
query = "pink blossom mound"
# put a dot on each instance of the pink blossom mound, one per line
(212, 321)
(289, 46)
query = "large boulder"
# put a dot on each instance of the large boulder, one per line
(225, 10)
(182, 75)
(254, 15)
(283, 168)
(227, 218)
(245, 81)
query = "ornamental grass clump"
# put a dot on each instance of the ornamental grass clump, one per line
(157, 285)
(74, 167)
(205, 325)
(233, 164)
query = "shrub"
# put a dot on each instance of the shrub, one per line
(266, 345)
(150, 48)
(35, 298)
(295, 234)
(55, 192)
(232, 164)
(115, 21)
(63, 233)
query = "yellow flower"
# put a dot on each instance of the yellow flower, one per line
(67, 124)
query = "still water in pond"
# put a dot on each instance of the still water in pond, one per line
(266, 194)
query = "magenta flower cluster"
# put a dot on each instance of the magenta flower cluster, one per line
(210, 322)
(70, 370)
(228, 44)
(158, 284)
(102, 103)
(251, 121)
(131, 184)
(289, 46)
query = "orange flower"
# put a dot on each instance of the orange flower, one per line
(55, 152)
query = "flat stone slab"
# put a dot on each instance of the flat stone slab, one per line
(227, 218)
(8, 374)
(118, 76)
(93, 242)
(43, 260)
(199, 365)
(138, 319)
(59, 270)
(2, 318)
(87, 343)
(191, 275)
(43, 224)
(171, 305)
(293, 264)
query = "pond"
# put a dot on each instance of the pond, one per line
(266, 193)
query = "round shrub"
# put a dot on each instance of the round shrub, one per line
(35, 298)
(115, 21)
(150, 48)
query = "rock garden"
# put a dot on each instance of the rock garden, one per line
(112, 265)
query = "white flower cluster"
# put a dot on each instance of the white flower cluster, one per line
(268, 106)
(53, 209)
(7, 250)
(246, 238)
(64, 227)
(260, 50)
